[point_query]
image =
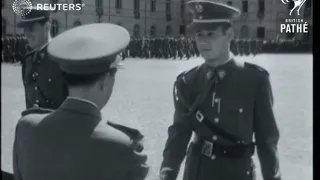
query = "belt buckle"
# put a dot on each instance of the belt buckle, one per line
(207, 148)
(199, 116)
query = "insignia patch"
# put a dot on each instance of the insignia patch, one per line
(199, 8)
(41, 55)
(222, 74)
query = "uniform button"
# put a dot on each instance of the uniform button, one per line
(47, 100)
(214, 138)
(49, 79)
(37, 101)
(36, 88)
(240, 110)
(224, 152)
(216, 120)
(248, 172)
(213, 157)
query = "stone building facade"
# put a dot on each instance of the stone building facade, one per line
(259, 19)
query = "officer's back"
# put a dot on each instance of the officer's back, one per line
(72, 142)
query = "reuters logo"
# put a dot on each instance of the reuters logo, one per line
(22, 7)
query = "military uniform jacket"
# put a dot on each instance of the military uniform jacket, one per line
(72, 143)
(240, 103)
(42, 80)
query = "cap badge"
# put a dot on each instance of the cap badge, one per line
(199, 8)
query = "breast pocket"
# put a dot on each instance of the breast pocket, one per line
(243, 121)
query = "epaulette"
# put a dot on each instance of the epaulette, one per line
(257, 68)
(29, 53)
(36, 110)
(134, 134)
(188, 76)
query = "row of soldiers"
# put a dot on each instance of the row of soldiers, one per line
(173, 48)
(15, 47)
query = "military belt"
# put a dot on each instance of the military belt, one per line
(213, 149)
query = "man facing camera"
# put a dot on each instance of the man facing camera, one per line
(72, 142)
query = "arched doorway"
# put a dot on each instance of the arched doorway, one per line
(168, 30)
(153, 31)
(136, 30)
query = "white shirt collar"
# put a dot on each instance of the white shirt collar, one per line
(84, 100)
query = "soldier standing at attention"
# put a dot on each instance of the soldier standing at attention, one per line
(223, 102)
(42, 80)
(73, 142)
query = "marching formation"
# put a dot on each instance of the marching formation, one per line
(15, 47)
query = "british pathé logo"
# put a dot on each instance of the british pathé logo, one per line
(297, 4)
(199, 8)
(295, 25)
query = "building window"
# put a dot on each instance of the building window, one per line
(261, 32)
(136, 31)
(261, 6)
(229, 3)
(153, 6)
(136, 8)
(168, 30)
(182, 9)
(168, 10)
(77, 23)
(168, 6)
(118, 4)
(53, 7)
(307, 9)
(54, 28)
(99, 3)
(4, 26)
(290, 5)
(77, 1)
(244, 6)
(153, 31)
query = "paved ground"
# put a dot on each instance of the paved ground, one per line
(143, 99)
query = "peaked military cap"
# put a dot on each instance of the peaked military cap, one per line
(89, 49)
(209, 14)
(34, 16)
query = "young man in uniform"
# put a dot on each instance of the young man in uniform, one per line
(42, 80)
(223, 102)
(73, 142)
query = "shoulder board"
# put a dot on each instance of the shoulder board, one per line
(257, 68)
(134, 134)
(131, 132)
(29, 53)
(36, 110)
(188, 76)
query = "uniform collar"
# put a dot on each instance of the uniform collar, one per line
(81, 105)
(221, 70)
(84, 100)
(42, 47)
